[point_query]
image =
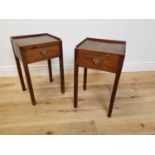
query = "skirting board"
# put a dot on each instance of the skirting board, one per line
(69, 69)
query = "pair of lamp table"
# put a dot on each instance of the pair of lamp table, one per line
(100, 54)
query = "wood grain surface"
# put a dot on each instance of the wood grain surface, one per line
(133, 113)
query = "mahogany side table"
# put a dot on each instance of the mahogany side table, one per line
(33, 48)
(101, 54)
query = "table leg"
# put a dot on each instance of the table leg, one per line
(113, 94)
(50, 70)
(85, 79)
(28, 78)
(76, 70)
(62, 74)
(117, 77)
(20, 73)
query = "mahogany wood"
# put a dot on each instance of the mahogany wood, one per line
(101, 54)
(37, 47)
(50, 70)
(76, 70)
(85, 79)
(62, 78)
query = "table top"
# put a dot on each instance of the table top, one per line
(103, 45)
(37, 39)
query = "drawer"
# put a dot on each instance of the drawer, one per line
(42, 53)
(101, 61)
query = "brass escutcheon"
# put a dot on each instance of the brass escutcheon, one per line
(96, 61)
(44, 53)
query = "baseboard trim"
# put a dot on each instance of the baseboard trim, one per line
(69, 68)
(139, 66)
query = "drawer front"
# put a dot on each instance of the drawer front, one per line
(101, 61)
(42, 53)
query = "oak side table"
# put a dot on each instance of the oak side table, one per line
(33, 48)
(101, 54)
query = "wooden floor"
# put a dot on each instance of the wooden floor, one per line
(134, 111)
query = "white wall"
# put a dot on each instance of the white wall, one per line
(139, 34)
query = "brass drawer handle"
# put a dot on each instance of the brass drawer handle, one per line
(96, 61)
(44, 53)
